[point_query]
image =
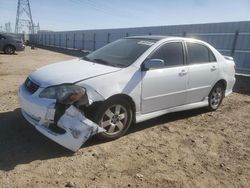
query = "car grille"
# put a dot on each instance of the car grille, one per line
(31, 86)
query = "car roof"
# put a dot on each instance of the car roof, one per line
(161, 37)
(150, 37)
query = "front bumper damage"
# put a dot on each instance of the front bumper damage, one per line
(41, 113)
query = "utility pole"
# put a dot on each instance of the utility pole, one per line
(24, 17)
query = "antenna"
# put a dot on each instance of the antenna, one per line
(24, 17)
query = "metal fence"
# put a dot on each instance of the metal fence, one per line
(231, 38)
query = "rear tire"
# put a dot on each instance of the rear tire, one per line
(216, 96)
(9, 49)
(115, 116)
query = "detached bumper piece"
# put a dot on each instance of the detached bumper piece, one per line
(78, 129)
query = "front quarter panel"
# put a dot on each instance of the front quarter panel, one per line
(126, 81)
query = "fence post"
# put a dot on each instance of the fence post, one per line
(45, 43)
(127, 34)
(60, 40)
(74, 41)
(234, 42)
(108, 38)
(66, 40)
(94, 41)
(83, 37)
(49, 39)
(184, 34)
(149, 33)
(54, 39)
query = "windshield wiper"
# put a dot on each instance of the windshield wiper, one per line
(101, 61)
(86, 58)
(119, 65)
(97, 60)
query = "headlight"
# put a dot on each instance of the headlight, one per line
(66, 94)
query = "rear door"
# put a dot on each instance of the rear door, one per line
(202, 69)
(165, 87)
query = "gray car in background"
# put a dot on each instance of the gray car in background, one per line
(10, 43)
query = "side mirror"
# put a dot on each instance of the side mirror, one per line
(153, 64)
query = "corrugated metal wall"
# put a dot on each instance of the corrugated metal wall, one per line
(232, 38)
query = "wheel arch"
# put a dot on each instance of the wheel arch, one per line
(9, 45)
(92, 109)
(223, 82)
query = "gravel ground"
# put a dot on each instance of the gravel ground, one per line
(186, 149)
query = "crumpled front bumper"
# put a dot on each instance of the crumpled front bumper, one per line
(40, 113)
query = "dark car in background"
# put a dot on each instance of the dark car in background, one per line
(9, 44)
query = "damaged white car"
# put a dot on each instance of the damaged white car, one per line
(127, 81)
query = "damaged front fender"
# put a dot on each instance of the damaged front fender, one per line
(78, 129)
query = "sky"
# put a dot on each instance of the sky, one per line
(59, 15)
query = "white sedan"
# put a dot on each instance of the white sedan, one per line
(127, 81)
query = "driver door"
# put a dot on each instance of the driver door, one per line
(165, 87)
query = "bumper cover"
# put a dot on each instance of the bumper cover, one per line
(40, 113)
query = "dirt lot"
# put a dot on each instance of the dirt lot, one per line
(188, 149)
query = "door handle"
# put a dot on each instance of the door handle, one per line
(183, 73)
(213, 68)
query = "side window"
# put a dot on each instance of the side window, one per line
(198, 53)
(171, 53)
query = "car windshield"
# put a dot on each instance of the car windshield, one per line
(120, 53)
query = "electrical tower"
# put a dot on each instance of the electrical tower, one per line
(24, 17)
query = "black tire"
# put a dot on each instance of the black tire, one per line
(216, 96)
(9, 49)
(102, 117)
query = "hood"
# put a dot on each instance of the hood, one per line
(69, 72)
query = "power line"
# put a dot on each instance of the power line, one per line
(97, 8)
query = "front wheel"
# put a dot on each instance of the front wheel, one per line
(115, 116)
(9, 49)
(216, 96)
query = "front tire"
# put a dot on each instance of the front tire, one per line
(216, 96)
(9, 49)
(115, 116)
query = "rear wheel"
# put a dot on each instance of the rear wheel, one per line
(9, 49)
(216, 96)
(115, 116)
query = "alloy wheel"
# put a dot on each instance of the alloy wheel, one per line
(114, 119)
(216, 97)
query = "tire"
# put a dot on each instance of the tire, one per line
(216, 96)
(9, 49)
(115, 116)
